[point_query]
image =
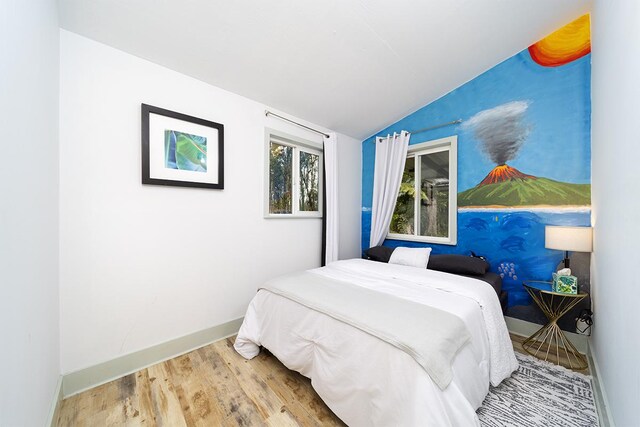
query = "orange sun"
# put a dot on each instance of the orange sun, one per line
(569, 43)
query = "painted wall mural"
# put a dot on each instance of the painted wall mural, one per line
(524, 156)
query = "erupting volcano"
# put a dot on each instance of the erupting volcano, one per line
(502, 173)
(501, 132)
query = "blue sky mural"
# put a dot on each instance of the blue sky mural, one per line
(554, 106)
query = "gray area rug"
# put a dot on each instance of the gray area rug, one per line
(540, 394)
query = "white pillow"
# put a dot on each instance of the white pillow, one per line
(413, 257)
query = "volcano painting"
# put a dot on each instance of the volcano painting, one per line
(502, 173)
(501, 132)
(505, 187)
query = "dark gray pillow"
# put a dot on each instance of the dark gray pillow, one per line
(458, 264)
(379, 253)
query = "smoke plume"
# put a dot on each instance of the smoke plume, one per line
(502, 130)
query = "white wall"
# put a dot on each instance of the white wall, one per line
(615, 161)
(141, 265)
(29, 359)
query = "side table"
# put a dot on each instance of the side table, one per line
(550, 340)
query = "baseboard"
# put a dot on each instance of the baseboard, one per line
(52, 419)
(84, 379)
(602, 403)
(525, 329)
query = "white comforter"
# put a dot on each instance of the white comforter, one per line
(367, 381)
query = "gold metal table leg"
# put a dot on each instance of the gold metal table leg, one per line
(550, 340)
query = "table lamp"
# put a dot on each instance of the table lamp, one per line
(564, 238)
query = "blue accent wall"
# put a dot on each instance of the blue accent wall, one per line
(557, 147)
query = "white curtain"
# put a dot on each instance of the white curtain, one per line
(391, 153)
(331, 195)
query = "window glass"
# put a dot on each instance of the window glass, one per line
(309, 181)
(293, 177)
(434, 204)
(426, 207)
(402, 221)
(280, 178)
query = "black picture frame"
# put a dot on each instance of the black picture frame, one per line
(147, 111)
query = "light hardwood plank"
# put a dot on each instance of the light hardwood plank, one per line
(165, 403)
(230, 396)
(266, 400)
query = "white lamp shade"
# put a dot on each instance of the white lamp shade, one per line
(576, 239)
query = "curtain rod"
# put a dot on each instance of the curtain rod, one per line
(269, 113)
(454, 122)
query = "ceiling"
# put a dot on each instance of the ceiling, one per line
(351, 66)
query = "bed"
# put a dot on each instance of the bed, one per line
(367, 378)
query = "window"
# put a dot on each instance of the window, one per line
(426, 208)
(294, 177)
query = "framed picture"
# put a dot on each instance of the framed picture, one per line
(181, 150)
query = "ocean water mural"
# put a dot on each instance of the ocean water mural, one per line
(185, 151)
(524, 156)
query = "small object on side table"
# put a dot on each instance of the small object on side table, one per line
(565, 284)
(550, 340)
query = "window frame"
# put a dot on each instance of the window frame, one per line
(298, 144)
(449, 143)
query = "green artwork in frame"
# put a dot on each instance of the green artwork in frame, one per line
(185, 151)
(181, 150)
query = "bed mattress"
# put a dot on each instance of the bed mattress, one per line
(366, 381)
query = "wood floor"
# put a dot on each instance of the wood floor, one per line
(211, 386)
